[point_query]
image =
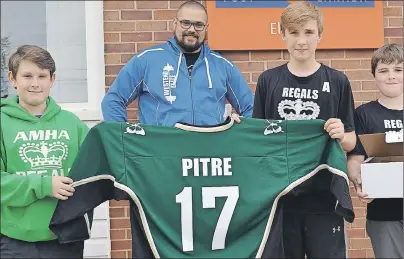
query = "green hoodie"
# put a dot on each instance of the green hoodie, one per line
(32, 151)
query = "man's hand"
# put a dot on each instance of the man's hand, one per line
(335, 129)
(357, 181)
(61, 187)
(236, 117)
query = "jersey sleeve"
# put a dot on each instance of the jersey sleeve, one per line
(346, 106)
(93, 179)
(360, 128)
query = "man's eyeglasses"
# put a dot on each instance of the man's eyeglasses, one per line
(186, 24)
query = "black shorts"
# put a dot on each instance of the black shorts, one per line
(12, 248)
(313, 235)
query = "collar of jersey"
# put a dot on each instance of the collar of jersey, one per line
(204, 129)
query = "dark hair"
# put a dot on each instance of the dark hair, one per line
(387, 54)
(194, 4)
(41, 57)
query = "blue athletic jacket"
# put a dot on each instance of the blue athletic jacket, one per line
(166, 94)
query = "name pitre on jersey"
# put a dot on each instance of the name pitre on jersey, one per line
(201, 191)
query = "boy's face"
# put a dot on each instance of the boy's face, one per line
(389, 79)
(302, 42)
(33, 84)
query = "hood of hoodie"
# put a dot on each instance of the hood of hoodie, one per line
(11, 108)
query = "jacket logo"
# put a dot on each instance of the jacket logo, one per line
(169, 83)
(44, 155)
(135, 128)
(273, 127)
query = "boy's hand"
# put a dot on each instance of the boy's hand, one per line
(357, 181)
(61, 187)
(335, 129)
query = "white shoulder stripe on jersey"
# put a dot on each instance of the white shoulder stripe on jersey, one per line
(144, 52)
(222, 58)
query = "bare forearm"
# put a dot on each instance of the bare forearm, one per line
(349, 141)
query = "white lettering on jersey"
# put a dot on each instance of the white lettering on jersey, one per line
(326, 87)
(300, 93)
(218, 166)
(393, 124)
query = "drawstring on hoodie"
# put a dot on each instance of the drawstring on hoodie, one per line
(207, 71)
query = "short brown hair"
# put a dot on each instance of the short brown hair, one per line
(297, 13)
(388, 54)
(41, 57)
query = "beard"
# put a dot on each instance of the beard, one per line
(188, 47)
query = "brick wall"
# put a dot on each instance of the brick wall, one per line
(131, 26)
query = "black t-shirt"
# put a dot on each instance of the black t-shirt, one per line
(323, 95)
(191, 58)
(373, 118)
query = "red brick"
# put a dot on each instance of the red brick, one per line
(365, 64)
(164, 14)
(118, 234)
(236, 55)
(252, 87)
(326, 62)
(109, 80)
(266, 55)
(111, 37)
(356, 253)
(111, 15)
(117, 212)
(386, 40)
(142, 46)
(120, 223)
(136, 15)
(162, 35)
(129, 253)
(392, 11)
(112, 59)
(118, 5)
(345, 64)
(393, 32)
(250, 66)
(151, 26)
(360, 243)
(247, 76)
(118, 254)
(137, 36)
(356, 85)
(114, 203)
(133, 104)
(396, 22)
(255, 76)
(396, 40)
(151, 4)
(385, 22)
(359, 223)
(394, 3)
(121, 244)
(370, 253)
(119, 26)
(113, 69)
(132, 114)
(360, 212)
(125, 58)
(369, 85)
(120, 48)
(332, 54)
(359, 75)
(272, 64)
(356, 232)
(359, 53)
(128, 233)
(365, 96)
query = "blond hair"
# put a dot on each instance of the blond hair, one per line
(388, 54)
(39, 56)
(298, 13)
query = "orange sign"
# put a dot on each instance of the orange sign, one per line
(254, 24)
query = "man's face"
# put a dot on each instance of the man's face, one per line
(302, 42)
(190, 28)
(33, 84)
(389, 79)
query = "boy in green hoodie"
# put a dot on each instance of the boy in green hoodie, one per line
(39, 142)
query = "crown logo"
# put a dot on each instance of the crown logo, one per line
(44, 155)
(394, 136)
(298, 110)
(274, 127)
(135, 128)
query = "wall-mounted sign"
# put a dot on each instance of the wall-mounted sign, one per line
(254, 25)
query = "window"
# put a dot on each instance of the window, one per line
(72, 31)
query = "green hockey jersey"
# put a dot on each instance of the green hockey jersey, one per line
(201, 192)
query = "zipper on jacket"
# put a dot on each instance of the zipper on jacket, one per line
(192, 100)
